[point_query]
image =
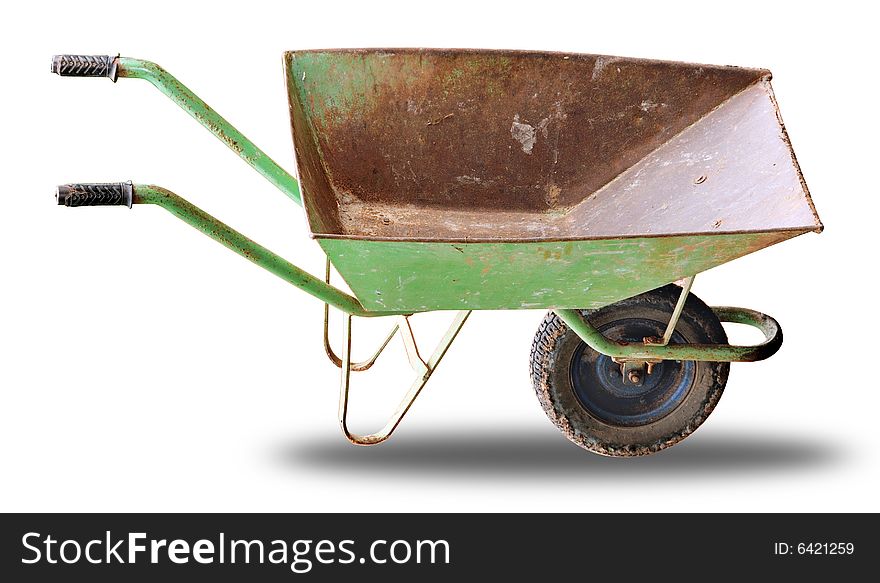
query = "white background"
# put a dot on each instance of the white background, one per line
(144, 368)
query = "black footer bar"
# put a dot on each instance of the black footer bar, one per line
(317, 547)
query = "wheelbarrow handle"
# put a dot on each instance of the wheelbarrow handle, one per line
(124, 67)
(85, 66)
(126, 194)
(96, 194)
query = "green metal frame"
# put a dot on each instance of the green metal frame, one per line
(213, 121)
(250, 250)
(284, 181)
(331, 296)
(705, 352)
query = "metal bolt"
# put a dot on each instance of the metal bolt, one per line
(634, 377)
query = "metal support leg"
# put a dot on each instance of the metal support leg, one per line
(676, 313)
(423, 371)
(355, 366)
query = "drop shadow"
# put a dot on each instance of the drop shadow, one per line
(538, 455)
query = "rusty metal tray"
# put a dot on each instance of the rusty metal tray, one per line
(548, 161)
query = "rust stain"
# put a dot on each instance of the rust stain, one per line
(436, 121)
(553, 193)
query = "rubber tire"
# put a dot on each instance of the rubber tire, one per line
(551, 359)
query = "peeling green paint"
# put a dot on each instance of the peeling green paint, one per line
(420, 276)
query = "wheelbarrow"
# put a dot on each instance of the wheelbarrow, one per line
(500, 180)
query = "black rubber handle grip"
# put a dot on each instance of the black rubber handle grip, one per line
(106, 194)
(84, 66)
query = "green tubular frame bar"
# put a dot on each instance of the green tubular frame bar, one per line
(214, 122)
(127, 194)
(637, 351)
(250, 250)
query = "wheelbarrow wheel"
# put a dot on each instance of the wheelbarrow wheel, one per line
(584, 393)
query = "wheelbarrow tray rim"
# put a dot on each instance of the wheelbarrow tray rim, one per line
(522, 53)
(464, 240)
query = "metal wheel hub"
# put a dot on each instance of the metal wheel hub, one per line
(602, 390)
